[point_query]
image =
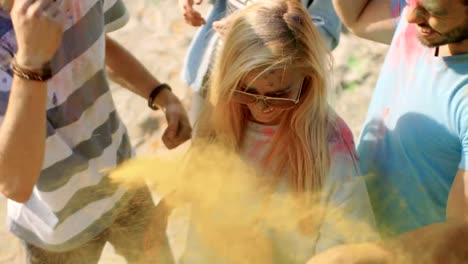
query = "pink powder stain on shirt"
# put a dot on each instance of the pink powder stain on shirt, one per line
(386, 114)
(343, 141)
(408, 43)
(413, 46)
(269, 132)
(412, 3)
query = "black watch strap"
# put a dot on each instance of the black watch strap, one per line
(154, 93)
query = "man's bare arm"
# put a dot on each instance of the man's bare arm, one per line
(127, 71)
(369, 19)
(22, 139)
(457, 204)
(23, 130)
(435, 243)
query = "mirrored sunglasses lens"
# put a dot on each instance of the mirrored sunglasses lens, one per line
(281, 103)
(243, 98)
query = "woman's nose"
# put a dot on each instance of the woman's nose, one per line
(262, 105)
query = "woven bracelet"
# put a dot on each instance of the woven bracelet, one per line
(41, 75)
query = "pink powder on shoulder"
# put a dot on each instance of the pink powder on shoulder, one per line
(343, 141)
(408, 43)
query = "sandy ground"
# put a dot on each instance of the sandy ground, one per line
(158, 37)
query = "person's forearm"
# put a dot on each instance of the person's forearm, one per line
(435, 243)
(350, 11)
(431, 244)
(124, 69)
(354, 254)
(22, 139)
(457, 202)
(369, 19)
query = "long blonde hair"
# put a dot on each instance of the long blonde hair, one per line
(269, 35)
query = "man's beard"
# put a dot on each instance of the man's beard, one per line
(454, 36)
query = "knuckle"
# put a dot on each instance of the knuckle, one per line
(33, 13)
(15, 14)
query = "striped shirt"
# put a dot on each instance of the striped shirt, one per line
(73, 200)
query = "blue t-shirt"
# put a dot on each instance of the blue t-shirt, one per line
(415, 137)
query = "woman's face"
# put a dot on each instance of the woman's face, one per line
(276, 83)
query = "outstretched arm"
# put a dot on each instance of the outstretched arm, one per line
(369, 19)
(436, 243)
(432, 244)
(126, 70)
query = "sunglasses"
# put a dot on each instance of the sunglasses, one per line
(242, 97)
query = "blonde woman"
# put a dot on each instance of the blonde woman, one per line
(268, 102)
(198, 63)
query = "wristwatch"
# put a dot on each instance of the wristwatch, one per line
(154, 93)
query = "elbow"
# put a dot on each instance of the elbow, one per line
(355, 26)
(16, 182)
(18, 192)
(20, 196)
(453, 244)
(356, 30)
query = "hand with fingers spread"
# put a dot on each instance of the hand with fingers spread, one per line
(39, 30)
(191, 16)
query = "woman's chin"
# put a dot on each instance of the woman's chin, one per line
(266, 119)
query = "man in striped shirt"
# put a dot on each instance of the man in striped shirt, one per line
(59, 132)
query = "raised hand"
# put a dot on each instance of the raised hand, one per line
(191, 16)
(38, 27)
